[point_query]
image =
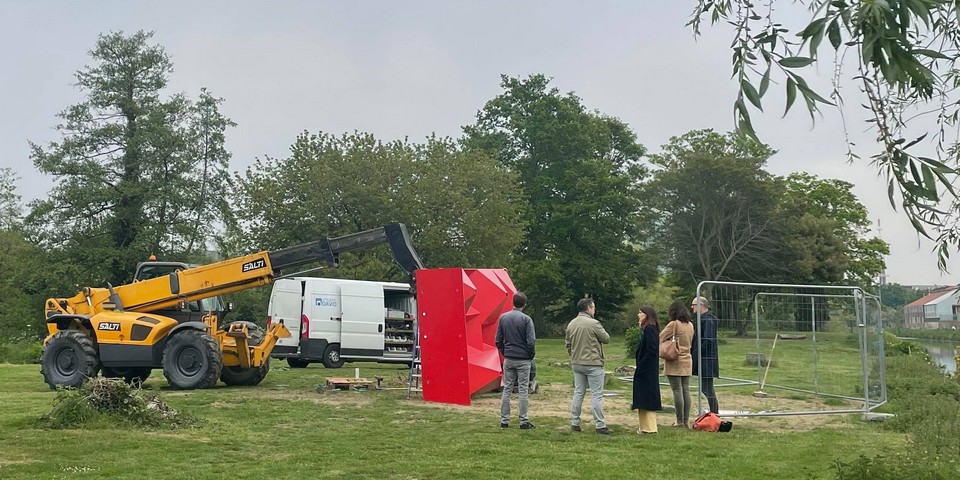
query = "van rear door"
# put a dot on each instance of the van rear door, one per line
(362, 322)
(286, 306)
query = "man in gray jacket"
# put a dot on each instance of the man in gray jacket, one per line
(584, 340)
(517, 342)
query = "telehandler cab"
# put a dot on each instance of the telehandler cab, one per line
(122, 332)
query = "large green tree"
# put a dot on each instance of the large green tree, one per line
(134, 173)
(28, 275)
(896, 296)
(828, 231)
(16, 259)
(463, 208)
(580, 172)
(902, 57)
(715, 208)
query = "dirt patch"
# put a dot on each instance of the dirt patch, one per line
(553, 400)
(327, 397)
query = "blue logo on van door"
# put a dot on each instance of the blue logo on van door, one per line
(325, 301)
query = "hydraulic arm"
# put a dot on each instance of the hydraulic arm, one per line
(232, 275)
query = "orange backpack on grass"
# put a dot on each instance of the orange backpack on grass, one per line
(708, 422)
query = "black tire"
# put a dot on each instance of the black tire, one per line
(331, 356)
(131, 375)
(297, 362)
(247, 376)
(192, 359)
(69, 359)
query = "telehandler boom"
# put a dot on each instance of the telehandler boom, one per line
(112, 329)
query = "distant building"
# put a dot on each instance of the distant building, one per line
(937, 310)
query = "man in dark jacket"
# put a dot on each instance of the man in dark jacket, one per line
(517, 342)
(706, 357)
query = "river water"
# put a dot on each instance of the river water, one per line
(943, 353)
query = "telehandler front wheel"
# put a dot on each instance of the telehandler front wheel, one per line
(68, 359)
(192, 359)
(248, 376)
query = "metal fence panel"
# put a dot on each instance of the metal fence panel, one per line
(793, 349)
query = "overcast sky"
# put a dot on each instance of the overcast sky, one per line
(410, 69)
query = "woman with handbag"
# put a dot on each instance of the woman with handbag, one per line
(646, 378)
(675, 341)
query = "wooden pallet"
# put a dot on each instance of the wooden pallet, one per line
(338, 383)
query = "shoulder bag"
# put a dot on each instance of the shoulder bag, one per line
(670, 350)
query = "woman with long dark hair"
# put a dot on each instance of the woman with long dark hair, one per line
(646, 379)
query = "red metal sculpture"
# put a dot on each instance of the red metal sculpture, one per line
(458, 312)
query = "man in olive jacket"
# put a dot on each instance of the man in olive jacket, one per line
(584, 340)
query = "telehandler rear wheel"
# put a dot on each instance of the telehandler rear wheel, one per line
(131, 375)
(192, 359)
(68, 359)
(247, 376)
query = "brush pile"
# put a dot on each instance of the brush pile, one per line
(105, 402)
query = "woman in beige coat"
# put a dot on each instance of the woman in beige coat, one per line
(678, 371)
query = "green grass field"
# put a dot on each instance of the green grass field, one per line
(284, 428)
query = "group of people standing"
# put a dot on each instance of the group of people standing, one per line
(584, 340)
(697, 356)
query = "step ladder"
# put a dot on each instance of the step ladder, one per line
(414, 379)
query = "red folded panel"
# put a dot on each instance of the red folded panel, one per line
(458, 312)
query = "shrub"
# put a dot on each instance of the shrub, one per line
(894, 346)
(20, 352)
(897, 467)
(927, 407)
(631, 341)
(927, 334)
(104, 402)
(911, 376)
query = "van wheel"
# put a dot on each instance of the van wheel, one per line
(297, 363)
(248, 376)
(192, 359)
(132, 375)
(331, 356)
(68, 359)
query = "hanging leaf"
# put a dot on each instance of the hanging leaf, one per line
(791, 94)
(945, 182)
(833, 33)
(916, 141)
(929, 183)
(815, 27)
(795, 62)
(765, 82)
(931, 53)
(751, 94)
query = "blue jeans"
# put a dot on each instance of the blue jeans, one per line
(582, 376)
(515, 372)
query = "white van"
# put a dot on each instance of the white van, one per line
(333, 320)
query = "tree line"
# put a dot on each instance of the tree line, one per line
(563, 196)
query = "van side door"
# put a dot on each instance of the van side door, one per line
(361, 330)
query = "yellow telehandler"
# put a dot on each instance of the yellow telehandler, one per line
(121, 331)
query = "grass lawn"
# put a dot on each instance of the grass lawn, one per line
(833, 368)
(284, 428)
